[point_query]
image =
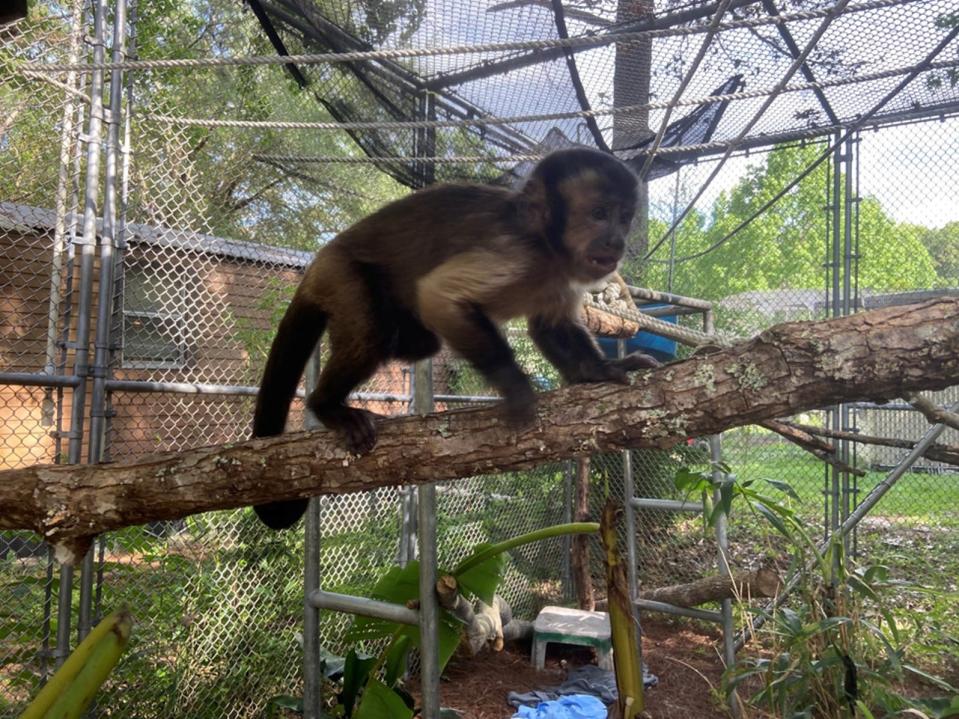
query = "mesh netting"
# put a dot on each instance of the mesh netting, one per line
(218, 221)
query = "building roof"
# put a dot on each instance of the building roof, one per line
(24, 218)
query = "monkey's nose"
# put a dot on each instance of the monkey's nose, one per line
(615, 244)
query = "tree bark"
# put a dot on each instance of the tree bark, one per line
(790, 368)
(582, 579)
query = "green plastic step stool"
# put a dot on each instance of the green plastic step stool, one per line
(559, 625)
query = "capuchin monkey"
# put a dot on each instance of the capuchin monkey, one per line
(451, 263)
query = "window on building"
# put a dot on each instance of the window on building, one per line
(153, 320)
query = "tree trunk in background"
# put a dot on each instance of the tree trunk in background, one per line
(582, 579)
(631, 80)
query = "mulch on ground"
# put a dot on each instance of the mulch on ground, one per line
(684, 658)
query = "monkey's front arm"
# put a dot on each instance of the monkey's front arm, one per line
(570, 348)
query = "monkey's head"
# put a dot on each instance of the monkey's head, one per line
(583, 201)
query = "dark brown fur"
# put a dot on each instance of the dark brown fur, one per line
(453, 262)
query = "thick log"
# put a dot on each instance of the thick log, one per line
(790, 368)
(740, 586)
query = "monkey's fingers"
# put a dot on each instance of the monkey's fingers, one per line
(636, 361)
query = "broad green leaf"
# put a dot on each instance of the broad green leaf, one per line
(483, 579)
(861, 587)
(356, 671)
(876, 573)
(449, 637)
(772, 518)
(398, 585)
(283, 703)
(894, 655)
(381, 702)
(396, 657)
(690, 482)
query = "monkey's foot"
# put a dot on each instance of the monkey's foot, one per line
(357, 427)
(520, 409)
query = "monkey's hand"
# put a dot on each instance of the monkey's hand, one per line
(612, 370)
(636, 361)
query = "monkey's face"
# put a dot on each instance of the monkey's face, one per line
(597, 222)
(583, 200)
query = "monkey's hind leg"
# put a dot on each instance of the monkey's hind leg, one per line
(354, 358)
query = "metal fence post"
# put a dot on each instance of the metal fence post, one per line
(81, 356)
(312, 660)
(429, 607)
(102, 340)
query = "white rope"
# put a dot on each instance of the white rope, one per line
(363, 159)
(685, 335)
(545, 117)
(582, 42)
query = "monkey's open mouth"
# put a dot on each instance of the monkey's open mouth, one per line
(604, 263)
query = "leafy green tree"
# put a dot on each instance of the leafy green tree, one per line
(943, 247)
(785, 247)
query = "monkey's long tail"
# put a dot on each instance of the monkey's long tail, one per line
(296, 338)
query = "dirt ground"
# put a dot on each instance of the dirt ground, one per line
(685, 661)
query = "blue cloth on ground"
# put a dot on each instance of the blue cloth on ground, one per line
(571, 706)
(587, 679)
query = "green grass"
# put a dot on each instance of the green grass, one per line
(918, 498)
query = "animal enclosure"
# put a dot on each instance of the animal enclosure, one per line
(156, 213)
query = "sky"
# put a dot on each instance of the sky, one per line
(913, 170)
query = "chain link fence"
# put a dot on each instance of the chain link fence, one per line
(215, 234)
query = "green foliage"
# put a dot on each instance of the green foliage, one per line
(943, 247)
(836, 650)
(478, 574)
(482, 579)
(784, 247)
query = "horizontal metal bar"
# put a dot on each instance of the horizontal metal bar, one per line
(126, 385)
(671, 311)
(666, 505)
(466, 399)
(648, 295)
(887, 407)
(336, 602)
(651, 606)
(38, 379)
(129, 385)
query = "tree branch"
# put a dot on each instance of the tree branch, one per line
(934, 413)
(946, 453)
(790, 368)
(823, 451)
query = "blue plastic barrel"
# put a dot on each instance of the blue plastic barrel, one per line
(659, 347)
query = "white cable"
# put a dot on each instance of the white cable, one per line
(581, 42)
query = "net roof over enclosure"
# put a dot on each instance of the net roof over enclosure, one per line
(672, 81)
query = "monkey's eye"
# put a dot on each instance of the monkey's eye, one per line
(626, 217)
(599, 213)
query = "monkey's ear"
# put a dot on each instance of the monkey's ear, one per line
(534, 205)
